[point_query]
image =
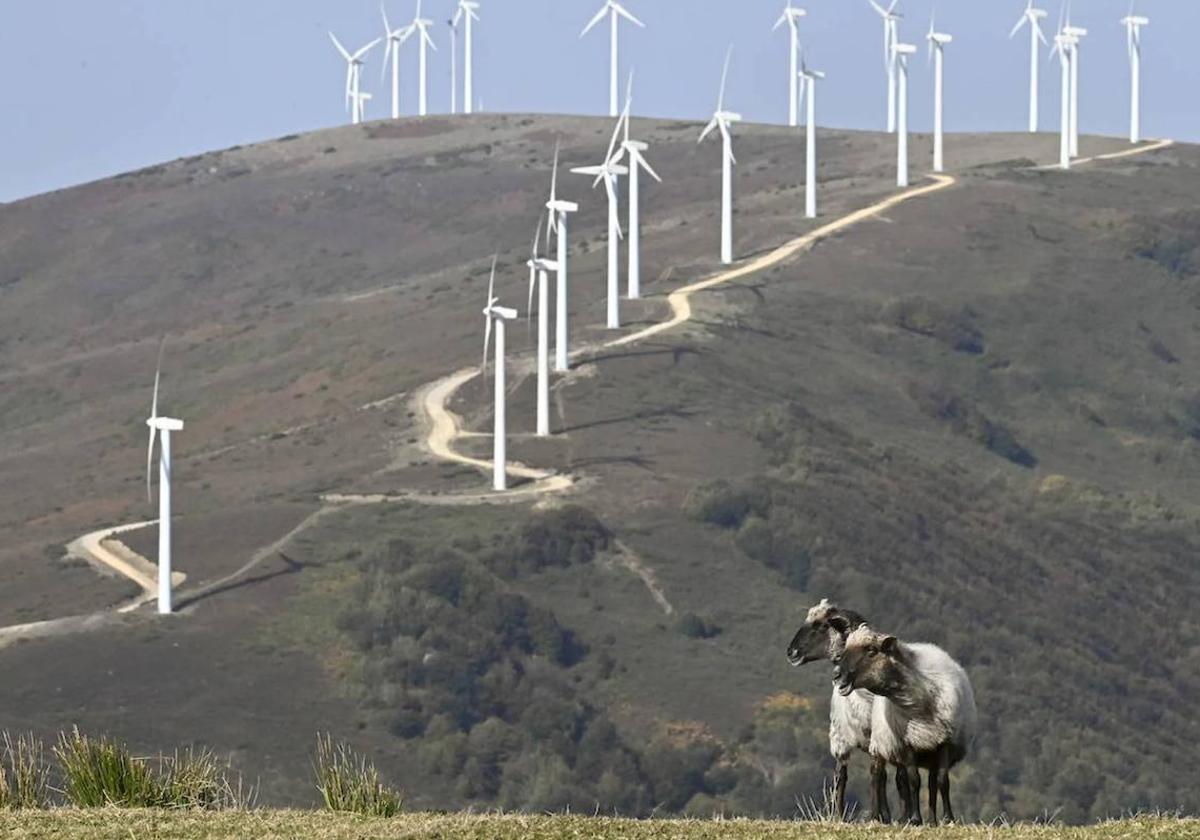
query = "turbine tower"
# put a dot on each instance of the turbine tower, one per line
(937, 47)
(1032, 16)
(558, 211)
(395, 37)
(1133, 32)
(808, 84)
(902, 51)
(1062, 46)
(615, 11)
(723, 120)
(354, 65)
(466, 13)
(791, 16)
(539, 279)
(637, 162)
(421, 25)
(360, 106)
(891, 20)
(609, 172)
(498, 316)
(163, 426)
(1076, 34)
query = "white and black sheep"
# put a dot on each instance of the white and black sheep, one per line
(822, 637)
(924, 715)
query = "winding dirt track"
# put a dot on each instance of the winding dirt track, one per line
(445, 427)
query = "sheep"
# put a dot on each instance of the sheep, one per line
(822, 636)
(924, 714)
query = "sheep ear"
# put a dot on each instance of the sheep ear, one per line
(839, 623)
(889, 644)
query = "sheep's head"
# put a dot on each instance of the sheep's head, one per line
(822, 634)
(870, 661)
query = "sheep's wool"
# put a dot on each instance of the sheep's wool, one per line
(820, 612)
(849, 723)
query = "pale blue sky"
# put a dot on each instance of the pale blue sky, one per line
(90, 88)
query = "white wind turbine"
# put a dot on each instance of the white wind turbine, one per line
(453, 24)
(466, 14)
(421, 26)
(808, 84)
(1076, 34)
(354, 65)
(723, 120)
(163, 426)
(1032, 16)
(558, 212)
(498, 316)
(891, 36)
(1062, 47)
(902, 52)
(615, 11)
(937, 46)
(791, 16)
(609, 172)
(395, 38)
(539, 279)
(634, 148)
(1133, 32)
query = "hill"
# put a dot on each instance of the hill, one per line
(975, 419)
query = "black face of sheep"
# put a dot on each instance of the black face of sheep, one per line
(869, 661)
(815, 638)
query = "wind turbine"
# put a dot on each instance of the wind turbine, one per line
(1062, 46)
(791, 16)
(891, 20)
(808, 84)
(1077, 34)
(361, 99)
(354, 65)
(453, 24)
(466, 10)
(722, 120)
(615, 11)
(634, 148)
(609, 172)
(1133, 32)
(395, 38)
(499, 316)
(902, 52)
(539, 278)
(1032, 17)
(937, 46)
(163, 425)
(558, 211)
(421, 25)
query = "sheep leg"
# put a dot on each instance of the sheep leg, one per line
(914, 793)
(934, 775)
(839, 789)
(904, 793)
(944, 784)
(879, 802)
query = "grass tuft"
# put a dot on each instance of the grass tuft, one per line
(348, 782)
(24, 773)
(99, 773)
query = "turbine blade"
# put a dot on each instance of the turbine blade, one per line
(487, 340)
(1024, 19)
(554, 176)
(345, 53)
(623, 12)
(150, 465)
(646, 165)
(387, 26)
(532, 283)
(708, 129)
(724, 79)
(600, 15)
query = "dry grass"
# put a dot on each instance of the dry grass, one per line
(190, 825)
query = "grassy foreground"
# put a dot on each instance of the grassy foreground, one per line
(191, 825)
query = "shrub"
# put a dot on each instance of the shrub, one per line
(28, 782)
(924, 317)
(559, 538)
(195, 778)
(348, 782)
(98, 773)
(694, 627)
(724, 505)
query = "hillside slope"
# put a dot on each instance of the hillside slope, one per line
(975, 420)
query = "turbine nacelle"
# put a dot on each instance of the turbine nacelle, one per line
(562, 206)
(791, 16)
(1135, 21)
(164, 424)
(940, 38)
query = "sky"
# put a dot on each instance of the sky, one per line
(91, 88)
